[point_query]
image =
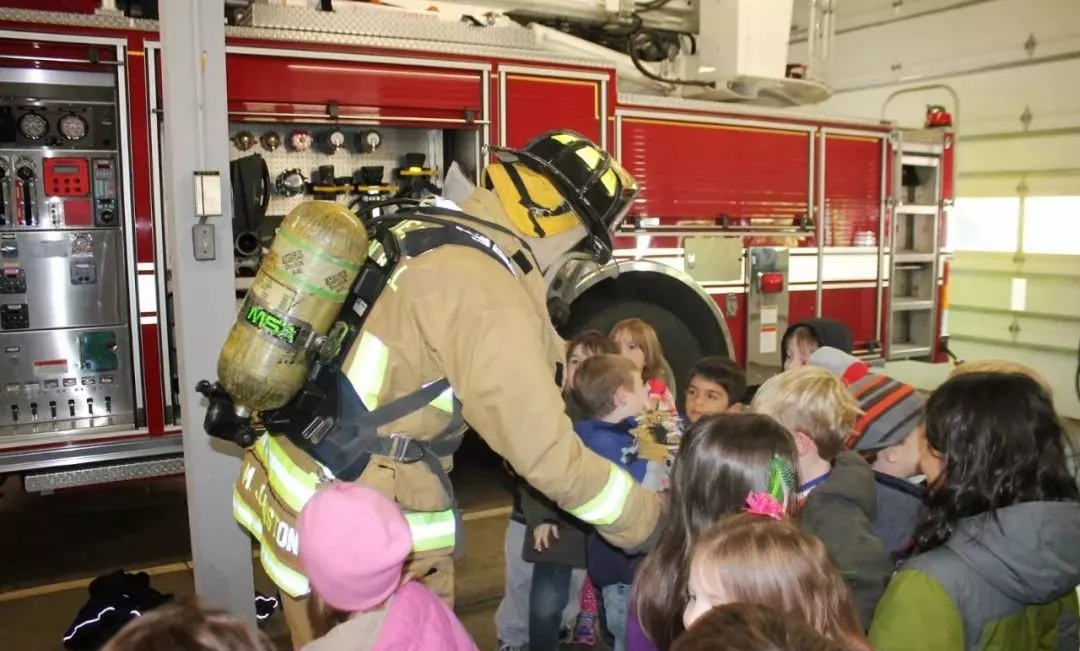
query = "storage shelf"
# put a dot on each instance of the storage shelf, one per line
(923, 148)
(904, 351)
(912, 257)
(912, 209)
(905, 304)
(920, 161)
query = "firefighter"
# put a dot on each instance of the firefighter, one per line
(459, 333)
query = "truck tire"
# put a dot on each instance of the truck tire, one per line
(681, 347)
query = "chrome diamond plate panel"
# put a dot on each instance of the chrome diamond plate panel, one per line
(633, 100)
(51, 481)
(375, 21)
(411, 44)
(114, 21)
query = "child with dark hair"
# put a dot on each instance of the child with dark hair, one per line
(721, 460)
(716, 385)
(997, 557)
(188, 626)
(751, 627)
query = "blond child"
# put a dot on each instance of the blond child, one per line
(759, 558)
(638, 341)
(838, 493)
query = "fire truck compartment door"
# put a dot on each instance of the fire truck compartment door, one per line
(712, 258)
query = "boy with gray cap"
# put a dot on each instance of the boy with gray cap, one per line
(886, 434)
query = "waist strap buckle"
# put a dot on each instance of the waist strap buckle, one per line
(403, 448)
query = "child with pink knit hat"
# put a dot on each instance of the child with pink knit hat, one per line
(353, 546)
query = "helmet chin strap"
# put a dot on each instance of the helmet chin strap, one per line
(549, 250)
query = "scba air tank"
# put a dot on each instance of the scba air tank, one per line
(293, 301)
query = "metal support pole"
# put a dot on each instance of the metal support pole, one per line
(196, 140)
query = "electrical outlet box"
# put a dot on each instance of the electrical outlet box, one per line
(202, 241)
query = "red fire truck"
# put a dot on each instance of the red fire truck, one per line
(749, 218)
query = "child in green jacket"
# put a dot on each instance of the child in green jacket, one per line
(997, 557)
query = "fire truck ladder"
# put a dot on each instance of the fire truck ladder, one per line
(914, 248)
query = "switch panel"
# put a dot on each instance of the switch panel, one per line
(12, 281)
(14, 316)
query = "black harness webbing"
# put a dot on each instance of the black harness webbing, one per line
(327, 419)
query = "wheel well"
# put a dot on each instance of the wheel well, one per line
(666, 289)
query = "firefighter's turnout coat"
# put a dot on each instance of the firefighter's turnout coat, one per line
(451, 314)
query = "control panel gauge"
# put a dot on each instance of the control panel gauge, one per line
(370, 140)
(33, 126)
(335, 140)
(300, 140)
(82, 243)
(73, 127)
(24, 169)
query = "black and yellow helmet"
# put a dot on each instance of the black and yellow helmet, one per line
(592, 188)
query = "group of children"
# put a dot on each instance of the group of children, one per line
(796, 522)
(837, 498)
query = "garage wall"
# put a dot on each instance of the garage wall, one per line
(1014, 66)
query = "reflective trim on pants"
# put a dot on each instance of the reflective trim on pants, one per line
(433, 530)
(292, 484)
(284, 577)
(608, 505)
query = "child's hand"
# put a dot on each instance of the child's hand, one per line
(542, 536)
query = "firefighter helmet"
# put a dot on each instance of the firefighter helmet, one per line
(591, 184)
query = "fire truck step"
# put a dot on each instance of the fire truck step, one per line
(47, 482)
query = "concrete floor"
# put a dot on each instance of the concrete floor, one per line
(52, 546)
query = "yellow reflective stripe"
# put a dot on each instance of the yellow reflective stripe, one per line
(590, 155)
(434, 530)
(565, 138)
(444, 401)
(289, 481)
(246, 516)
(609, 179)
(284, 577)
(394, 276)
(608, 505)
(367, 369)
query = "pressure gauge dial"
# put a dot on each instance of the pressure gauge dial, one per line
(81, 243)
(73, 127)
(33, 126)
(24, 169)
(369, 141)
(335, 140)
(300, 140)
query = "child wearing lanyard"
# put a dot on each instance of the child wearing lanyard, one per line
(838, 495)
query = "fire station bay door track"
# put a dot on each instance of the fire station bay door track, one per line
(767, 311)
